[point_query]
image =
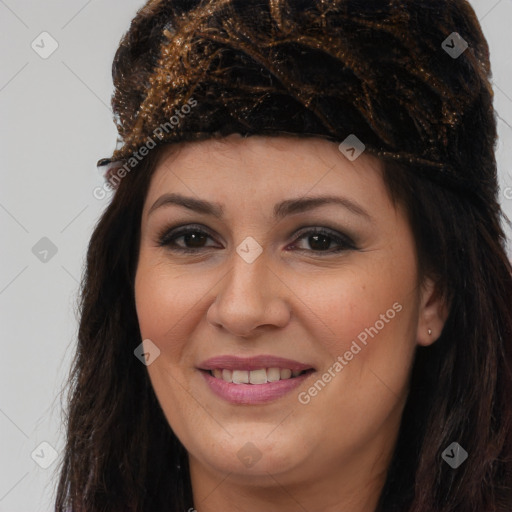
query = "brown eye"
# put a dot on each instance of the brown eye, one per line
(321, 240)
(194, 239)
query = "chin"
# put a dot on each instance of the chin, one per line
(251, 455)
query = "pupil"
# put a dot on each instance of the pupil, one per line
(315, 244)
(194, 239)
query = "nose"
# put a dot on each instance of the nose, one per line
(251, 298)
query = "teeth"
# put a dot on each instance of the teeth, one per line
(258, 376)
(273, 374)
(285, 373)
(240, 377)
(261, 376)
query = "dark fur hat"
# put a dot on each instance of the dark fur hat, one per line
(410, 79)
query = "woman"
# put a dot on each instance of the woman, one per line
(298, 297)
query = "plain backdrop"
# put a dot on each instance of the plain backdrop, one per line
(55, 124)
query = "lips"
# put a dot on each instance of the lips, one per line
(253, 380)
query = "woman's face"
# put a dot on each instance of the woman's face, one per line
(269, 280)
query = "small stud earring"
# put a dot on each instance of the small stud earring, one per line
(429, 332)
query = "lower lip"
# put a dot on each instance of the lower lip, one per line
(253, 394)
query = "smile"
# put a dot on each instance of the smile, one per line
(261, 376)
(255, 380)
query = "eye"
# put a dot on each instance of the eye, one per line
(194, 238)
(320, 240)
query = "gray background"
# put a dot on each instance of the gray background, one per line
(55, 124)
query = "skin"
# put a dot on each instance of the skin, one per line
(294, 301)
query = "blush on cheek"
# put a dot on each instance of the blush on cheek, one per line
(169, 326)
(363, 329)
(158, 302)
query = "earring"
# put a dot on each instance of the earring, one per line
(429, 332)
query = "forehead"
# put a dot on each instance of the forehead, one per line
(258, 180)
(289, 164)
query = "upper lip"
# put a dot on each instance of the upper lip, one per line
(228, 362)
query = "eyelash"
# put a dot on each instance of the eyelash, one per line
(168, 237)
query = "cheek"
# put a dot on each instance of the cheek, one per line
(365, 303)
(367, 320)
(368, 316)
(163, 304)
(166, 311)
(371, 313)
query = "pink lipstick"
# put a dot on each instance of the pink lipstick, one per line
(253, 380)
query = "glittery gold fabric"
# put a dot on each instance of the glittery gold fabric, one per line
(373, 68)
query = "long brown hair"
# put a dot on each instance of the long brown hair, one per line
(377, 69)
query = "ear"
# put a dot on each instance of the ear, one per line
(433, 313)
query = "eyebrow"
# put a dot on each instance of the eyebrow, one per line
(281, 210)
